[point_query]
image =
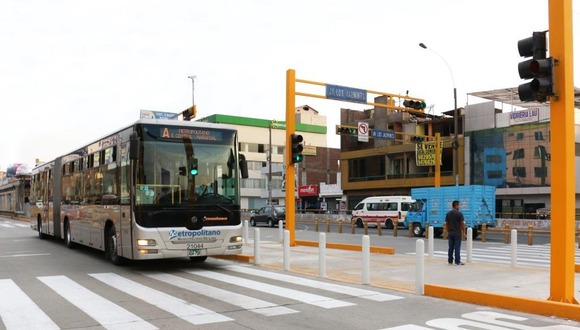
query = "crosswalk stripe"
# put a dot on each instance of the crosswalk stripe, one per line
(187, 311)
(308, 298)
(107, 313)
(18, 311)
(252, 304)
(361, 293)
(5, 225)
(532, 256)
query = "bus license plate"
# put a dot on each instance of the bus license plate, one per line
(196, 252)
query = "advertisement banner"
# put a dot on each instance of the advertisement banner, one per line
(425, 153)
(524, 116)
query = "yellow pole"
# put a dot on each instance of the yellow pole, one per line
(290, 170)
(562, 169)
(437, 160)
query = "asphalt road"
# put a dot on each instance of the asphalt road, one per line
(45, 285)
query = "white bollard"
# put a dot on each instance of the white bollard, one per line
(256, 246)
(286, 250)
(246, 233)
(514, 241)
(469, 244)
(431, 242)
(322, 255)
(420, 267)
(366, 259)
(281, 231)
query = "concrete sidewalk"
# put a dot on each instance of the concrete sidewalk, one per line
(517, 288)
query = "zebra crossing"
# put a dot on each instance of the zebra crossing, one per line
(13, 224)
(91, 296)
(527, 255)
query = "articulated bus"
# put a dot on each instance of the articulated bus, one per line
(135, 194)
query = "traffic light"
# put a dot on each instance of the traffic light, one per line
(343, 130)
(296, 145)
(419, 105)
(189, 113)
(417, 138)
(538, 68)
(193, 169)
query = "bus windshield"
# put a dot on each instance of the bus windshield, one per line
(179, 169)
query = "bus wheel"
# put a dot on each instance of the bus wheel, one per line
(68, 236)
(41, 235)
(389, 224)
(474, 233)
(111, 247)
(198, 259)
(437, 232)
(417, 230)
(359, 223)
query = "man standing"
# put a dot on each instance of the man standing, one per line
(455, 227)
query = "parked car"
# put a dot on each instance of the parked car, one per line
(268, 214)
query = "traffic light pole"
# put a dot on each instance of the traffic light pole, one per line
(290, 169)
(562, 144)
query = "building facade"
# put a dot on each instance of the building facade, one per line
(257, 137)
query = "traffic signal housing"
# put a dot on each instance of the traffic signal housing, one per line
(297, 147)
(193, 168)
(415, 138)
(189, 113)
(419, 105)
(344, 130)
(539, 68)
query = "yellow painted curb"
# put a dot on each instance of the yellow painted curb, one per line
(349, 247)
(238, 257)
(527, 305)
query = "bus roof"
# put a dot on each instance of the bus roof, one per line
(167, 122)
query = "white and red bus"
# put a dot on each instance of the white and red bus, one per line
(134, 194)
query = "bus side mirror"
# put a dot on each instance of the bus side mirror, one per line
(243, 166)
(134, 146)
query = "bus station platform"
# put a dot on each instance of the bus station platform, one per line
(523, 289)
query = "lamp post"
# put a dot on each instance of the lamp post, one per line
(192, 89)
(455, 118)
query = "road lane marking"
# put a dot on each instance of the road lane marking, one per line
(18, 311)
(184, 309)
(307, 298)
(107, 313)
(252, 304)
(361, 293)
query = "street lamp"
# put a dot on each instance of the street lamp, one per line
(455, 124)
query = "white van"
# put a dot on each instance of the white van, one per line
(383, 208)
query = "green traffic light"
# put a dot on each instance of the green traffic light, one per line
(193, 171)
(298, 158)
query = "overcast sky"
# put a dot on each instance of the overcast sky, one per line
(73, 71)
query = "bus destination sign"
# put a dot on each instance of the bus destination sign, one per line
(194, 134)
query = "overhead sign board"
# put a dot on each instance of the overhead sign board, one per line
(343, 93)
(150, 114)
(385, 135)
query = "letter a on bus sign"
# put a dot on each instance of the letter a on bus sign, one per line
(363, 131)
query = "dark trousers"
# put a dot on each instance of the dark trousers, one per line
(454, 247)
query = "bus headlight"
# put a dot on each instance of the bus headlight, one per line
(146, 242)
(236, 239)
